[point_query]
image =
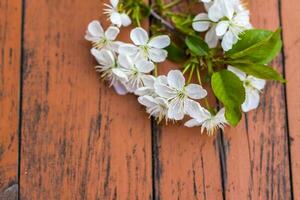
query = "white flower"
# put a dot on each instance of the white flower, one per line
(155, 106)
(147, 49)
(178, 94)
(148, 86)
(232, 28)
(231, 21)
(202, 117)
(116, 18)
(226, 19)
(207, 3)
(202, 23)
(136, 70)
(110, 70)
(149, 82)
(101, 39)
(252, 86)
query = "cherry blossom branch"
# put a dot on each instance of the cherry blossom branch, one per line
(162, 20)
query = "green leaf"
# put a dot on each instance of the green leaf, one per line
(229, 90)
(258, 70)
(257, 46)
(233, 115)
(175, 53)
(248, 39)
(197, 46)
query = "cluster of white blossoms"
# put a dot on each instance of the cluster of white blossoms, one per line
(128, 67)
(225, 20)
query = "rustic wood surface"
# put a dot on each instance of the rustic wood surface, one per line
(290, 23)
(257, 152)
(66, 135)
(10, 54)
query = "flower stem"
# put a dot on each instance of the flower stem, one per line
(210, 67)
(162, 20)
(186, 68)
(155, 71)
(191, 73)
(200, 82)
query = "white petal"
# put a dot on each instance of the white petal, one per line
(228, 9)
(144, 66)
(164, 91)
(201, 22)
(192, 123)
(115, 45)
(252, 100)
(160, 42)
(176, 109)
(114, 3)
(176, 79)
(142, 91)
(115, 18)
(120, 74)
(222, 27)
(139, 36)
(194, 110)
(211, 37)
(242, 76)
(120, 88)
(215, 12)
(128, 49)
(195, 91)
(207, 5)
(257, 83)
(95, 29)
(104, 57)
(126, 21)
(149, 81)
(147, 101)
(162, 79)
(228, 41)
(221, 116)
(157, 55)
(125, 61)
(161, 101)
(111, 33)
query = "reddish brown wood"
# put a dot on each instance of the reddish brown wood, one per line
(291, 26)
(10, 40)
(79, 139)
(82, 141)
(257, 158)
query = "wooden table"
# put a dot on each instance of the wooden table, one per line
(66, 135)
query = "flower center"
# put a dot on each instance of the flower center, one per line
(181, 95)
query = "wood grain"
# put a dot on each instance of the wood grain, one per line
(187, 165)
(79, 139)
(291, 26)
(10, 40)
(257, 155)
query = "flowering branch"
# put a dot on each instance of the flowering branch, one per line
(233, 55)
(162, 20)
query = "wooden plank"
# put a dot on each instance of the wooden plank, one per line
(10, 40)
(79, 139)
(291, 35)
(257, 150)
(187, 164)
